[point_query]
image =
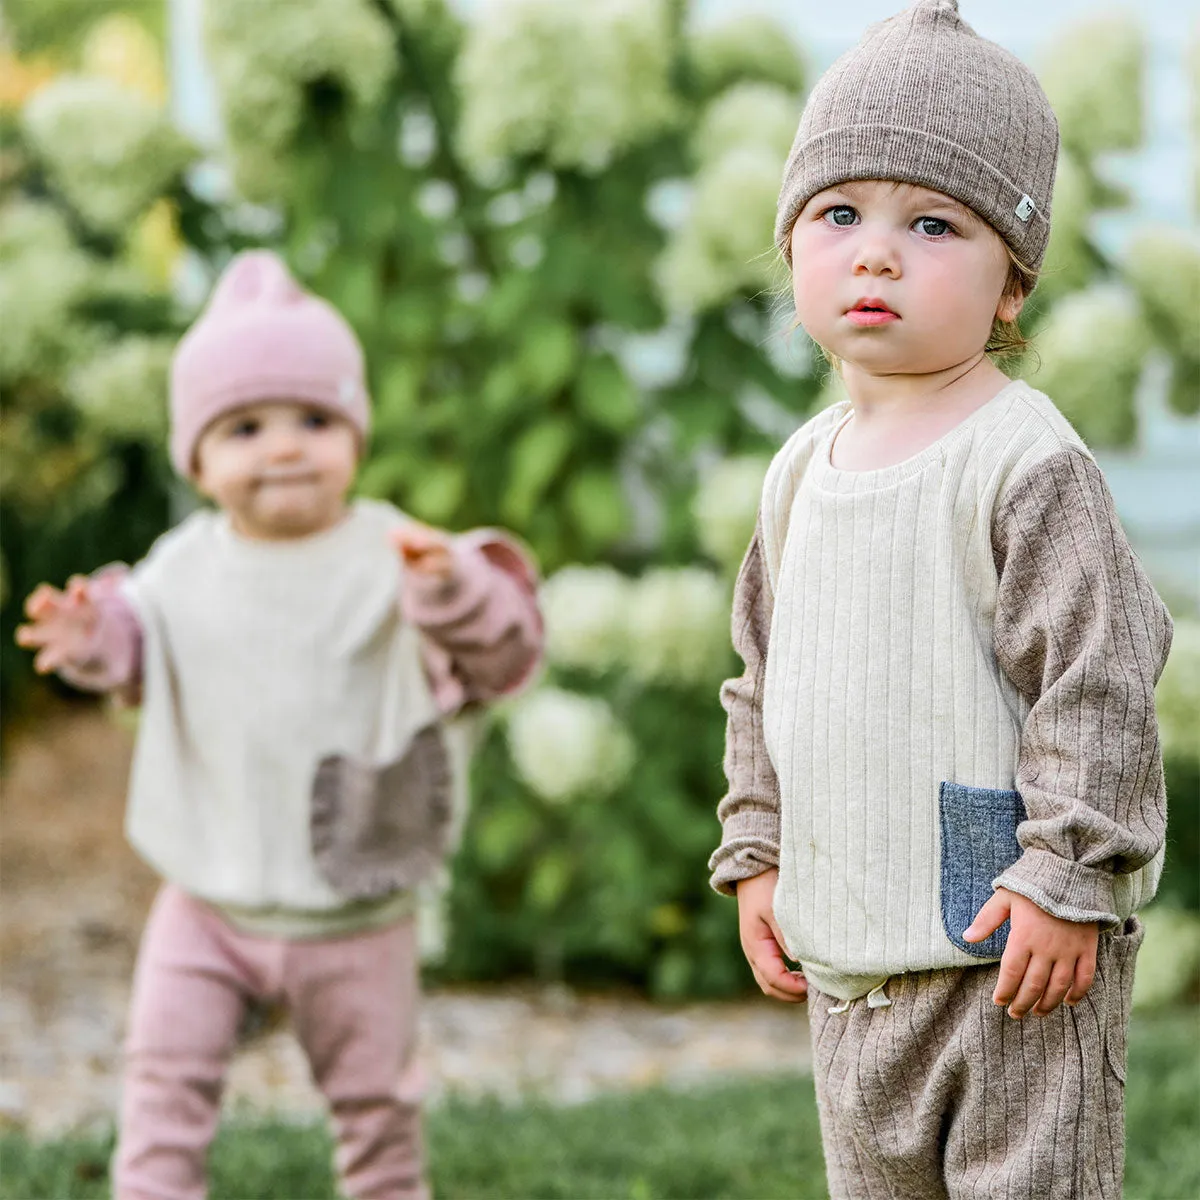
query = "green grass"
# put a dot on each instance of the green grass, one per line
(757, 1140)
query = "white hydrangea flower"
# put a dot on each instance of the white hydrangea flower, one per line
(726, 243)
(726, 506)
(750, 46)
(1163, 265)
(1095, 81)
(265, 54)
(586, 612)
(579, 83)
(1178, 694)
(110, 150)
(679, 627)
(123, 389)
(1091, 352)
(564, 744)
(43, 276)
(31, 226)
(748, 114)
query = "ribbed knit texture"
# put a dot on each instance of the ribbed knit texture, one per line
(923, 99)
(942, 1093)
(220, 798)
(972, 615)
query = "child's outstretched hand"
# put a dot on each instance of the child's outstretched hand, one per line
(424, 550)
(1047, 960)
(61, 624)
(762, 943)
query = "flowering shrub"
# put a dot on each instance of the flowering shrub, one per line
(1092, 349)
(726, 507)
(505, 210)
(1163, 267)
(585, 610)
(121, 389)
(578, 83)
(726, 242)
(1178, 694)
(1095, 80)
(267, 56)
(564, 744)
(748, 47)
(110, 150)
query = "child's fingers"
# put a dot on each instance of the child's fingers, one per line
(49, 659)
(1033, 987)
(1056, 991)
(989, 918)
(41, 601)
(32, 636)
(1085, 974)
(1012, 971)
(777, 981)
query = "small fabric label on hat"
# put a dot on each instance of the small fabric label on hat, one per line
(1026, 208)
(347, 391)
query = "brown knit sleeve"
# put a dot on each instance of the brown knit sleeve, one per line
(1083, 636)
(749, 812)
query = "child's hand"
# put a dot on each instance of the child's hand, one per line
(1047, 960)
(424, 550)
(762, 943)
(61, 624)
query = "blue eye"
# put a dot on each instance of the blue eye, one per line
(841, 214)
(316, 420)
(932, 226)
(244, 429)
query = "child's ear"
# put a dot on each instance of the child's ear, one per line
(1011, 303)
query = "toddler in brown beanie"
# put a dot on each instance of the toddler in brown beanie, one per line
(301, 657)
(945, 791)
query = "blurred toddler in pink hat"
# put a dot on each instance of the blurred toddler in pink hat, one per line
(301, 657)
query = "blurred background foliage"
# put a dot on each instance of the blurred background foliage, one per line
(551, 227)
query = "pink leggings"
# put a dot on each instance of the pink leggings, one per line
(353, 1004)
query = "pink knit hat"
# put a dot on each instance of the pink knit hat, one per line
(262, 337)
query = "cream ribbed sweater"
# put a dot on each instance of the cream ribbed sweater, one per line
(280, 771)
(949, 680)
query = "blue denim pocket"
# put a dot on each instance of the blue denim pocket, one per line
(979, 842)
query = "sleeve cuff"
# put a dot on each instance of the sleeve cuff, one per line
(1068, 890)
(433, 602)
(742, 858)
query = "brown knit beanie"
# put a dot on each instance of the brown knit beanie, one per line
(924, 99)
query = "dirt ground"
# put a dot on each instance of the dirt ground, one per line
(73, 898)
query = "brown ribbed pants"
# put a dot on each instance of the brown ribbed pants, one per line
(942, 1094)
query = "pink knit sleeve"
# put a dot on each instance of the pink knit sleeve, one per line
(112, 660)
(483, 628)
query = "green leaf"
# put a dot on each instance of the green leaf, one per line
(598, 507)
(502, 391)
(356, 292)
(385, 477)
(536, 458)
(396, 399)
(605, 395)
(547, 356)
(501, 835)
(549, 881)
(437, 492)
(1184, 395)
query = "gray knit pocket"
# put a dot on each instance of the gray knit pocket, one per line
(979, 842)
(380, 829)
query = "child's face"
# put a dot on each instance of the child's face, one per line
(940, 269)
(281, 469)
